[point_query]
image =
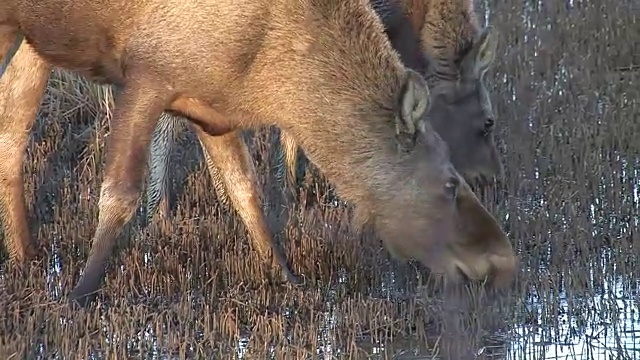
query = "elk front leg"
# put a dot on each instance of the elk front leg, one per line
(231, 168)
(21, 89)
(137, 110)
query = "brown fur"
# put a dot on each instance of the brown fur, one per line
(464, 52)
(461, 112)
(321, 70)
(449, 32)
(21, 88)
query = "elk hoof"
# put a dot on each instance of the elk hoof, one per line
(294, 280)
(80, 301)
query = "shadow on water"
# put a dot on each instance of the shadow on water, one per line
(565, 89)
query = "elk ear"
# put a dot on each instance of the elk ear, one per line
(414, 103)
(485, 50)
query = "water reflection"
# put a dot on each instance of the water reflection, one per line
(608, 329)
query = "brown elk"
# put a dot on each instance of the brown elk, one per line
(321, 70)
(462, 114)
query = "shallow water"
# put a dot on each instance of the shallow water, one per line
(607, 326)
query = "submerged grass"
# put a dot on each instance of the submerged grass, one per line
(565, 89)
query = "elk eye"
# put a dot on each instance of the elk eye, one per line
(451, 187)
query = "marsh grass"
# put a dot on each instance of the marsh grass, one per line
(565, 88)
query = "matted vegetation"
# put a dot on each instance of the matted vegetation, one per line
(565, 90)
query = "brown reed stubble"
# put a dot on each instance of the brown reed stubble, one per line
(200, 292)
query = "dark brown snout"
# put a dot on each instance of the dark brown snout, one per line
(475, 249)
(481, 250)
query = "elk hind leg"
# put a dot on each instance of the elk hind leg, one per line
(162, 144)
(234, 176)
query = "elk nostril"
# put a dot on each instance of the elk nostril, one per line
(488, 126)
(488, 123)
(451, 187)
(477, 182)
